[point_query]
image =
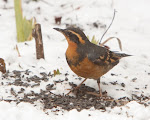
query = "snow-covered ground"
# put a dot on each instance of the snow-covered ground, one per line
(131, 25)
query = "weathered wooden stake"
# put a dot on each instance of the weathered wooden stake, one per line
(37, 34)
(2, 65)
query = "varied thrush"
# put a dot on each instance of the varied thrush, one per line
(87, 59)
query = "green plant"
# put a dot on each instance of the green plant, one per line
(23, 26)
(93, 40)
(56, 72)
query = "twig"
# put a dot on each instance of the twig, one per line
(108, 27)
(18, 51)
(119, 42)
(46, 2)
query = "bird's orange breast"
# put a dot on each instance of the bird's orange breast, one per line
(87, 69)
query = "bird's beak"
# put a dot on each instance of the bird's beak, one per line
(60, 30)
(63, 31)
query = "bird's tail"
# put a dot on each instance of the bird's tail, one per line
(122, 55)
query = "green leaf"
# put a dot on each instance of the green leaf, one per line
(23, 26)
(94, 40)
(56, 72)
(27, 27)
(19, 21)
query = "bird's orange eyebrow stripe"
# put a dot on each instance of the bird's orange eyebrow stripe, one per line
(80, 38)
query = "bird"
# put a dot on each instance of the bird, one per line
(86, 59)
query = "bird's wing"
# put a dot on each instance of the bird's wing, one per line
(102, 56)
(106, 59)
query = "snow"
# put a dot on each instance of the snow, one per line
(131, 25)
(24, 111)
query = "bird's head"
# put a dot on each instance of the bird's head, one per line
(73, 35)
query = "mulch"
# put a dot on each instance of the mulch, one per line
(81, 100)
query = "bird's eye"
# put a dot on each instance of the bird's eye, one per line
(69, 34)
(73, 37)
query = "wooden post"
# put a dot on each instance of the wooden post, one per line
(36, 33)
(2, 66)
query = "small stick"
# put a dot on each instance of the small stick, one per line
(119, 42)
(108, 27)
(18, 51)
(36, 33)
(46, 2)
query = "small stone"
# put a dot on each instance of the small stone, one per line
(66, 74)
(112, 74)
(114, 83)
(123, 85)
(2, 83)
(22, 89)
(49, 86)
(66, 79)
(134, 79)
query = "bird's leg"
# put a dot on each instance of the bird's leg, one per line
(77, 86)
(100, 92)
(81, 83)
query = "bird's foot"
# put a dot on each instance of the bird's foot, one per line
(101, 96)
(72, 90)
(77, 87)
(69, 91)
